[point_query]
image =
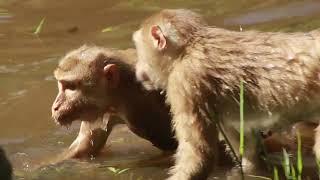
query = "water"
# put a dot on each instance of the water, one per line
(27, 88)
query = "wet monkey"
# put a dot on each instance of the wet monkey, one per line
(201, 67)
(98, 86)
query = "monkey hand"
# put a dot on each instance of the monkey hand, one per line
(88, 144)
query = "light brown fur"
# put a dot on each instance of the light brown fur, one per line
(201, 67)
(98, 83)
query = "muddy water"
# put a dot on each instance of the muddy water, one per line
(27, 88)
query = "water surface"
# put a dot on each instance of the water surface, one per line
(27, 87)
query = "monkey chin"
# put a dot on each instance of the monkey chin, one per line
(66, 120)
(63, 120)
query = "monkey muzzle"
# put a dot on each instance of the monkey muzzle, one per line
(63, 119)
(64, 116)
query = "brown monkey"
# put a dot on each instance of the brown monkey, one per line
(97, 85)
(201, 68)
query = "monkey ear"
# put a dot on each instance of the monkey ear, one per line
(158, 38)
(112, 74)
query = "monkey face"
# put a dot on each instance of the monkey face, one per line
(149, 67)
(74, 102)
(86, 87)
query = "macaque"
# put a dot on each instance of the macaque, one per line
(201, 68)
(5, 166)
(98, 86)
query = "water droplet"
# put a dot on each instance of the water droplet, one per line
(269, 113)
(162, 92)
(91, 132)
(91, 142)
(296, 98)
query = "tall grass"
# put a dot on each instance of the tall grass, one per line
(290, 172)
(299, 156)
(275, 173)
(288, 167)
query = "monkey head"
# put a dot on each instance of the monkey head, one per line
(85, 81)
(159, 41)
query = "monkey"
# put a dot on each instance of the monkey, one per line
(201, 68)
(98, 86)
(5, 166)
(145, 113)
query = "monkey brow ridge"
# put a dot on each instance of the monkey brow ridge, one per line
(68, 64)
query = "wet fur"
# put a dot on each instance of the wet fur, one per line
(281, 74)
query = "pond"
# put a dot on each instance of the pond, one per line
(27, 87)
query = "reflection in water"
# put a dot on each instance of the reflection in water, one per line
(27, 132)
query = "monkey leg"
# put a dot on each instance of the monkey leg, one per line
(250, 158)
(197, 151)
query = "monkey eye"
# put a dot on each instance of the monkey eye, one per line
(70, 85)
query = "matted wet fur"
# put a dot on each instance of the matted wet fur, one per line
(201, 68)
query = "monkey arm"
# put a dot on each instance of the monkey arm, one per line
(91, 138)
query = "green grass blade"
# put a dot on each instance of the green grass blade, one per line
(293, 173)
(286, 164)
(123, 170)
(108, 29)
(299, 156)
(38, 29)
(112, 169)
(241, 147)
(275, 173)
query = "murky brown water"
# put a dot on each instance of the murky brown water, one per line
(27, 88)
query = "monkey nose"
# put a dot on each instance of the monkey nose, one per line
(55, 107)
(142, 76)
(145, 77)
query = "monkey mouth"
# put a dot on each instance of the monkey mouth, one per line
(63, 120)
